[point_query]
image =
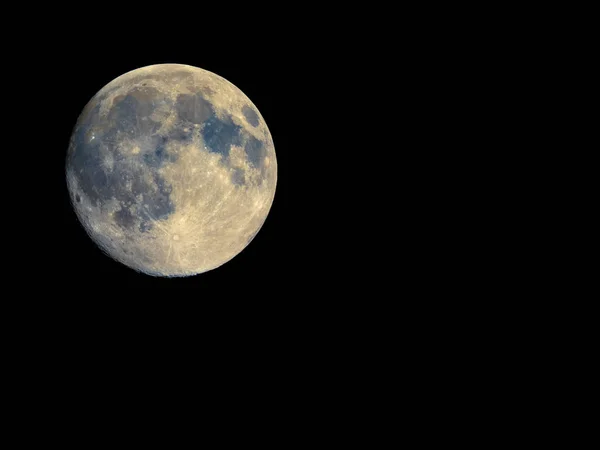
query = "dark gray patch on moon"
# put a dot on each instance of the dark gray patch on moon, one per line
(237, 177)
(100, 180)
(124, 218)
(126, 181)
(255, 150)
(145, 226)
(159, 156)
(130, 113)
(156, 204)
(250, 115)
(180, 134)
(194, 108)
(159, 202)
(123, 113)
(221, 134)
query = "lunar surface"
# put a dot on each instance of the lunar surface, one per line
(171, 170)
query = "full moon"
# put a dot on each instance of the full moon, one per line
(171, 170)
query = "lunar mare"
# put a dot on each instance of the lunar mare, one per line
(171, 170)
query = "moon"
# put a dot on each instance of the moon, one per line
(171, 170)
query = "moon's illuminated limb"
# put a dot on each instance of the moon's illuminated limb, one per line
(171, 170)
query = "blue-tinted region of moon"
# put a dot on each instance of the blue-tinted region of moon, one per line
(171, 170)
